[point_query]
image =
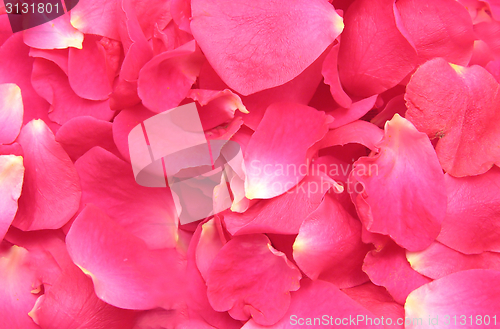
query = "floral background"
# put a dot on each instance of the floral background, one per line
(368, 190)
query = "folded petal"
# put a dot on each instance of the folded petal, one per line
(108, 182)
(439, 260)
(281, 141)
(359, 132)
(234, 280)
(460, 106)
(251, 47)
(389, 268)
(374, 56)
(11, 183)
(398, 192)
(457, 300)
(471, 225)
(11, 112)
(125, 272)
(329, 247)
(51, 191)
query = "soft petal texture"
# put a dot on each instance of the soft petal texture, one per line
(467, 293)
(378, 301)
(438, 261)
(329, 247)
(282, 139)
(315, 299)
(209, 245)
(108, 182)
(438, 28)
(331, 74)
(11, 112)
(389, 268)
(360, 132)
(252, 257)
(283, 214)
(167, 78)
(97, 18)
(51, 191)
(471, 225)
(79, 135)
(87, 70)
(52, 84)
(56, 34)
(18, 280)
(250, 46)
(11, 183)
(401, 187)
(125, 272)
(461, 107)
(374, 56)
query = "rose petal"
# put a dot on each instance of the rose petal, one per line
(11, 112)
(11, 182)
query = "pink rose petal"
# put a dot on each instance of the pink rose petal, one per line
(11, 182)
(11, 112)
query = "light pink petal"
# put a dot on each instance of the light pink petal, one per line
(11, 112)
(374, 56)
(51, 191)
(438, 261)
(80, 134)
(209, 245)
(55, 34)
(282, 139)
(283, 214)
(460, 106)
(389, 268)
(399, 191)
(88, 72)
(18, 280)
(471, 225)
(11, 182)
(378, 301)
(235, 279)
(250, 47)
(329, 246)
(360, 132)
(108, 182)
(315, 299)
(166, 80)
(125, 272)
(472, 294)
(441, 28)
(52, 84)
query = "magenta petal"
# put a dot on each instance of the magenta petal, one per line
(359, 132)
(11, 112)
(438, 28)
(125, 272)
(272, 149)
(148, 213)
(389, 268)
(208, 246)
(438, 261)
(331, 74)
(52, 84)
(265, 45)
(11, 179)
(234, 280)
(399, 191)
(87, 70)
(80, 134)
(51, 191)
(468, 293)
(471, 225)
(96, 18)
(167, 78)
(56, 34)
(374, 56)
(329, 247)
(315, 299)
(460, 106)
